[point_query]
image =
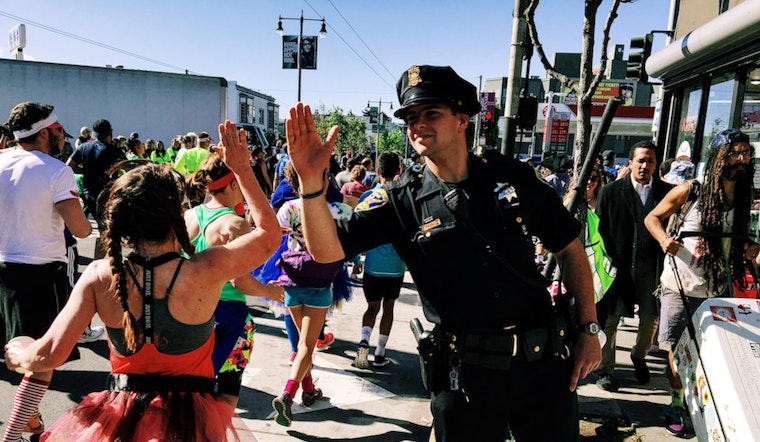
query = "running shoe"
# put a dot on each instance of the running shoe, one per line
(91, 334)
(381, 361)
(324, 344)
(35, 424)
(282, 405)
(675, 420)
(308, 399)
(361, 361)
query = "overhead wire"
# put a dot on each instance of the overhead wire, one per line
(92, 42)
(361, 39)
(351, 47)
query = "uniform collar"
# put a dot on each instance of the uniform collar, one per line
(431, 184)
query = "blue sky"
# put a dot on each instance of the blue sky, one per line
(368, 45)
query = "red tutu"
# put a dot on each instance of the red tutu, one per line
(131, 416)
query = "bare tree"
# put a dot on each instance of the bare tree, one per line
(586, 86)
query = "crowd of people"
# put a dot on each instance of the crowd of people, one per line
(208, 225)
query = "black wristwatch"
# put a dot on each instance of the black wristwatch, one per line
(592, 328)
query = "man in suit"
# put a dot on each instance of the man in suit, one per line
(622, 206)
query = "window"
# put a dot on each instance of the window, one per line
(688, 120)
(718, 112)
(247, 110)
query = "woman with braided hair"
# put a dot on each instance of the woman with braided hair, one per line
(158, 311)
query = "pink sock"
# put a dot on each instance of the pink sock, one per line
(308, 384)
(25, 404)
(291, 387)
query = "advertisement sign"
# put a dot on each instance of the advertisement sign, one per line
(556, 128)
(309, 52)
(17, 37)
(487, 106)
(603, 93)
(613, 89)
(289, 51)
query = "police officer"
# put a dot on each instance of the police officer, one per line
(463, 226)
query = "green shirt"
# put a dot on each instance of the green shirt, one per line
(205, 218)
(190, 160)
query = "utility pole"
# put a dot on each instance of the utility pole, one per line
(512, 100)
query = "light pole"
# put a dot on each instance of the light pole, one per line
(322, 34)
(380, 119)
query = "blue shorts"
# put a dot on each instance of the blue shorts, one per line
(308, 296)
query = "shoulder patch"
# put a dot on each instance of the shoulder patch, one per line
(376, 199)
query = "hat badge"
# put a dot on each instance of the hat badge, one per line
(414, 76)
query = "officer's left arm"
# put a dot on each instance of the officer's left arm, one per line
(578, 280)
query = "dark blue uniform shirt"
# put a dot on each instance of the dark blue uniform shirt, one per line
(461, 284)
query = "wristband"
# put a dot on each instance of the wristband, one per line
(308, 196)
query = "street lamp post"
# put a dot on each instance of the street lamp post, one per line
(322, 34)
(380, 119)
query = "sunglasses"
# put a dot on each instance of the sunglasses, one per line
(738, 153)
(594, 178)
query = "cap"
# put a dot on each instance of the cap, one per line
(101, 128)
(728, 136)
(435, 84)
(83, 130)
(607, 154)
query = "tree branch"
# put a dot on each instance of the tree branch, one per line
(530, 14)
(605, 42)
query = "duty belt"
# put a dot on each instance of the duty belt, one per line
(497, 349)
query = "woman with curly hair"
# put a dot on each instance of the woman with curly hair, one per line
(158, 311)
(215, 222)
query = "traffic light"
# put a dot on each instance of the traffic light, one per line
(487, 116)
(637, 60)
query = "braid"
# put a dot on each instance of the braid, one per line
(713, 207)
(119, 282)
(180, 231)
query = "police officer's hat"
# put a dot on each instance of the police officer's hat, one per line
(435, 84)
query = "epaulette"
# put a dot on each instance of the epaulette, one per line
(412, 176)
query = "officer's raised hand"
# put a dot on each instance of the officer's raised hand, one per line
(310, 156)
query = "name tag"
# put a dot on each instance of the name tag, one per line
(427, 226)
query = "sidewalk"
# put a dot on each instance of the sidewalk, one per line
(633, 411)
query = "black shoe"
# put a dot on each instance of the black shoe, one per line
(282, 405)
(604, 381)
(641, 370)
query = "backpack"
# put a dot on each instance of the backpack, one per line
(676, 220)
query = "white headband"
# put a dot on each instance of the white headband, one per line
(202, 139)
(36, 127)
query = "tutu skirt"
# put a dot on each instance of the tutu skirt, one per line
(132, 416)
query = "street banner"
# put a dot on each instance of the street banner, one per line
(309, 52)
(289, 51)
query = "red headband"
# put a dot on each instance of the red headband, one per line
(222, 182)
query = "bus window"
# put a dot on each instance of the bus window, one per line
(718, 112)
(689, 118)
